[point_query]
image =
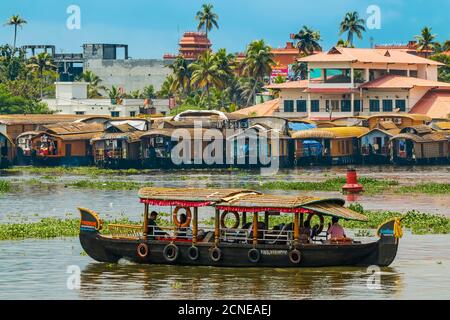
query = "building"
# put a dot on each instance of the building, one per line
(350, 82)
(110, 62)
(71, 98)
(191, 46)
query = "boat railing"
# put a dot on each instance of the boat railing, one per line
(264, 236)
(125, 230)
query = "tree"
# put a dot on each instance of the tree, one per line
(443, 71)
(40, 63)
(115, 94)
(207, 19)
(181, 76)
(425, 41)
(258, 63)
(15, 21)
(226, 63)
(149, 92)
(300, 70)
(93, 81)
(308, 40)
(15, 104)
(352, 24)
(166, 90)
(205, 73)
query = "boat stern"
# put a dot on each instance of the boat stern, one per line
(390, 233)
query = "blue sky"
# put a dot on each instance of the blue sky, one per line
(152, 28)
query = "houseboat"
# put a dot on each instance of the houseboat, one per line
(24, 147)
(336, 145)
(420, 145)
(375, 145)
(249, 242)
(7, 151)
(118, 147)
(156, 145)
(401, 120)
(65, 144)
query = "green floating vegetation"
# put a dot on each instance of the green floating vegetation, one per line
(370, 185)
(49, 228)
(5, 186)
(89, 171)
(428, 187)
(109, 185)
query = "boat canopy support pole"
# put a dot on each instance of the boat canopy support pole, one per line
(217, 228)
(296, 228)
(195, 226)
(266, 220)
(244, 219)
(255, 228)
(145, 226)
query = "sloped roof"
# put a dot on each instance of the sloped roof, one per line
(339, 54)
(412, 116)
(435, 104)
(330, 133)
(263, 109)
(11, 119)
(443, 125)
(400, 82)
(130, 136)
(391, 132)
(73, 127)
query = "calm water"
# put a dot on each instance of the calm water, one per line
(38, 269)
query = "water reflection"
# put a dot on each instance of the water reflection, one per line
(177, 282)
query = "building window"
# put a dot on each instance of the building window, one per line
(357, 105)
(387, 105)
(80, 112)
(358, 76)
(374, 105)
(288, 105)
(346, 105)
(413, 73)
(132, 113)
(400, 105)
(402, 73)
(115, 114)
(301, 105)
(315, 105)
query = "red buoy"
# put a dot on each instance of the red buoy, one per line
(352, 185)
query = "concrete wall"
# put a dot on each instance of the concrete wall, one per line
(130, 74)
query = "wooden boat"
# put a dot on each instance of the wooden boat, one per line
(239, 245)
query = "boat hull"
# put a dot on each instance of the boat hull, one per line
(107, 249)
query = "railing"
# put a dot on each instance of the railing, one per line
(125, 230)
(264, 236)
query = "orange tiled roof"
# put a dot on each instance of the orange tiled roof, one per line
(338, 54)
(301, 84)
(435, 104)
(393, 81)
(264, 109)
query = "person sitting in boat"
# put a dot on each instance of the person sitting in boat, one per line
(336, 231)
(183, 232)
(153, 229)
(305, 232)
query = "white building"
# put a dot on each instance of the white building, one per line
(350, 81)
(71, 98)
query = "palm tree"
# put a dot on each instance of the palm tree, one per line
(308, 40)
(115, 94)
(15, 21)
(226, 63)
(300, 70)
(258, 63)
(446, 46)
(93, 84)
(182, 75)
(207, 19)
(40, 63)
(205, 73)
(425, 41)
(352, 24)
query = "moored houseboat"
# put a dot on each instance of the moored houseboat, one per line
(420, 145)
(118, 147)
(375, 145)
(249, 242)
(65, 144)
(337, 145)
(7, 151)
